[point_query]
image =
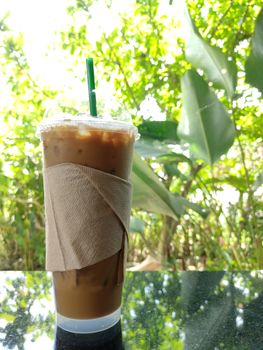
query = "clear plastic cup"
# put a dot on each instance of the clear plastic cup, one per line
(88, 300)
(94, 325)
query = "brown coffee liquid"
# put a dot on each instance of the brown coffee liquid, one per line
(90, 292)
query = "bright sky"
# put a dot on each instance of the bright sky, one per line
(37, 20)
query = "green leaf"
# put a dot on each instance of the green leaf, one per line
(136, 225)
(204, 123)
(235, 181)
(221, 72)
(149, 148)
(172, 170)
(174, 158)
(150, 194)
(7, 317)
(197, 208)
(159, 130)
(254, 72)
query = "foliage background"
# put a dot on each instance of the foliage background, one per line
(142, 57)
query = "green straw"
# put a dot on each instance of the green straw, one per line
(91, 86)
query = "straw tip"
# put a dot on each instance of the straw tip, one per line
(89, 60)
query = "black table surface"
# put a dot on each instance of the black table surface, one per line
(160, 310)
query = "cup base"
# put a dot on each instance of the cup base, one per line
(93, 325)
(110, 339)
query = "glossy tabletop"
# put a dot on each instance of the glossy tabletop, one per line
(160, 310)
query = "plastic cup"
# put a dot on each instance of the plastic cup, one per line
(88, 300)
(108, 339)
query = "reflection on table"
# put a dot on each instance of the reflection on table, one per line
(160, 310)
(110, 339)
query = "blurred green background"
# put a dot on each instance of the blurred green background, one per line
(189, 75)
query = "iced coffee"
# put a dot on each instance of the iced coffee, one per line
(92, 291)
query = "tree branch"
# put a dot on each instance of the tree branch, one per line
(240, 28)
(251, 203)
(212, 33)
(123, 73)
(188, 184)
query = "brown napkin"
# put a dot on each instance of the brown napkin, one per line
(87, 216)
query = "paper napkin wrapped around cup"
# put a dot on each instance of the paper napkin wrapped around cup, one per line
(87, 216)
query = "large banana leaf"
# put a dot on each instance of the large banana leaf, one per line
(204, 123)
(254, 71)
(217, 68)
(151, 195)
